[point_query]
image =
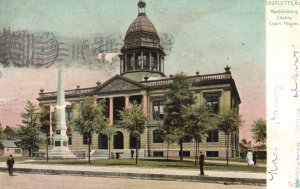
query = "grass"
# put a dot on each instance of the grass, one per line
(4, 158)
(160, 163)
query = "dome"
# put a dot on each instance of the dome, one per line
(141, 24)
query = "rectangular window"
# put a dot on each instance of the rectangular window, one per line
(69, 114)
(213, 136)
(212, 154)
(158, 154)
(185, 153)
(18, 151)
(158, 109)
(158, 136)
(87, 138)
(213, 103)
(70, 141)
(57, 143)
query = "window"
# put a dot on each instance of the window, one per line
(213, 136)
(87, 138)
(133, 140)
(69, 114)
(70, 141)
(140, 61)
(158, 109)
(212, 154)
(18, 151)
(213, 103)
(185, 154)
(158, 136)
(158, 154)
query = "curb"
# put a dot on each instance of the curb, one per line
(204, 179)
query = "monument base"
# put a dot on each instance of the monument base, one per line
(60, 153)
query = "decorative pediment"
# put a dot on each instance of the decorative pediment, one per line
(119, 83)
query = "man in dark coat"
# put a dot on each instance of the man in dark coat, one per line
(201, 162)
(10, 163)
(254, 157)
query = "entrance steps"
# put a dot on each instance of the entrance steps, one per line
(124, 153)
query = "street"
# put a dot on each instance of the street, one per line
(36, 181)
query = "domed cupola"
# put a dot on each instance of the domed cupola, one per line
(142, 55)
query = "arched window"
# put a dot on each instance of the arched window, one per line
(119, 140)
(133, 141)
(158, 136)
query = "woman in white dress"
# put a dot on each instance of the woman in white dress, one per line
(250, 158)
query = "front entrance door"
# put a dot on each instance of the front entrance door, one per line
(119, 140)
(103, 141)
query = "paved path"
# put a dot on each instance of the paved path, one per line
(36, 181)
(137, 172)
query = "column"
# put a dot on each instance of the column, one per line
(111, 111)
(163, 63)
(125, 62)
(133, 61)
(126, 102)
(158, 62)
(142, 56)
(145, 104)
(150, 61)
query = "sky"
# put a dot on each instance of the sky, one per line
(208, 35)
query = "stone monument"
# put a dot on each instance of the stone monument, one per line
(60, 140)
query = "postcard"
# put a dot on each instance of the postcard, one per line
(236, 54)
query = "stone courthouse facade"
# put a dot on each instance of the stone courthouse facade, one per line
(142, 78)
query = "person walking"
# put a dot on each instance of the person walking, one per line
(254, 157)
(201, 163)
(10, 164)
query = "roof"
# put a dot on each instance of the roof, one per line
(9, 144)
(141, 24)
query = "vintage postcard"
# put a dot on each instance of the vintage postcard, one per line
(55, 54)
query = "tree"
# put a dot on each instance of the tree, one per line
(28, 134)
(1, 136)
(244, 141)
(91, 118)
(45, 121)
(199, 120)
(177, 98)
(109, 132)
(229, 121)
(259, 130)
(134, 121)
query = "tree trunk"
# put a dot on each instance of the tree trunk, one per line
(181, 150)
(136, 150)
(195, 150)
(168, 150)
(226, 145)
(108, 147)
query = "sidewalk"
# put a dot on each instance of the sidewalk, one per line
(142, 173)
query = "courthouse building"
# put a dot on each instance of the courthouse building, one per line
(142, 78)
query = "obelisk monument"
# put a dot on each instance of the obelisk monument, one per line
(60, 139)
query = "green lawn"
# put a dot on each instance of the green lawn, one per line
(161, 163)
(4, 158)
